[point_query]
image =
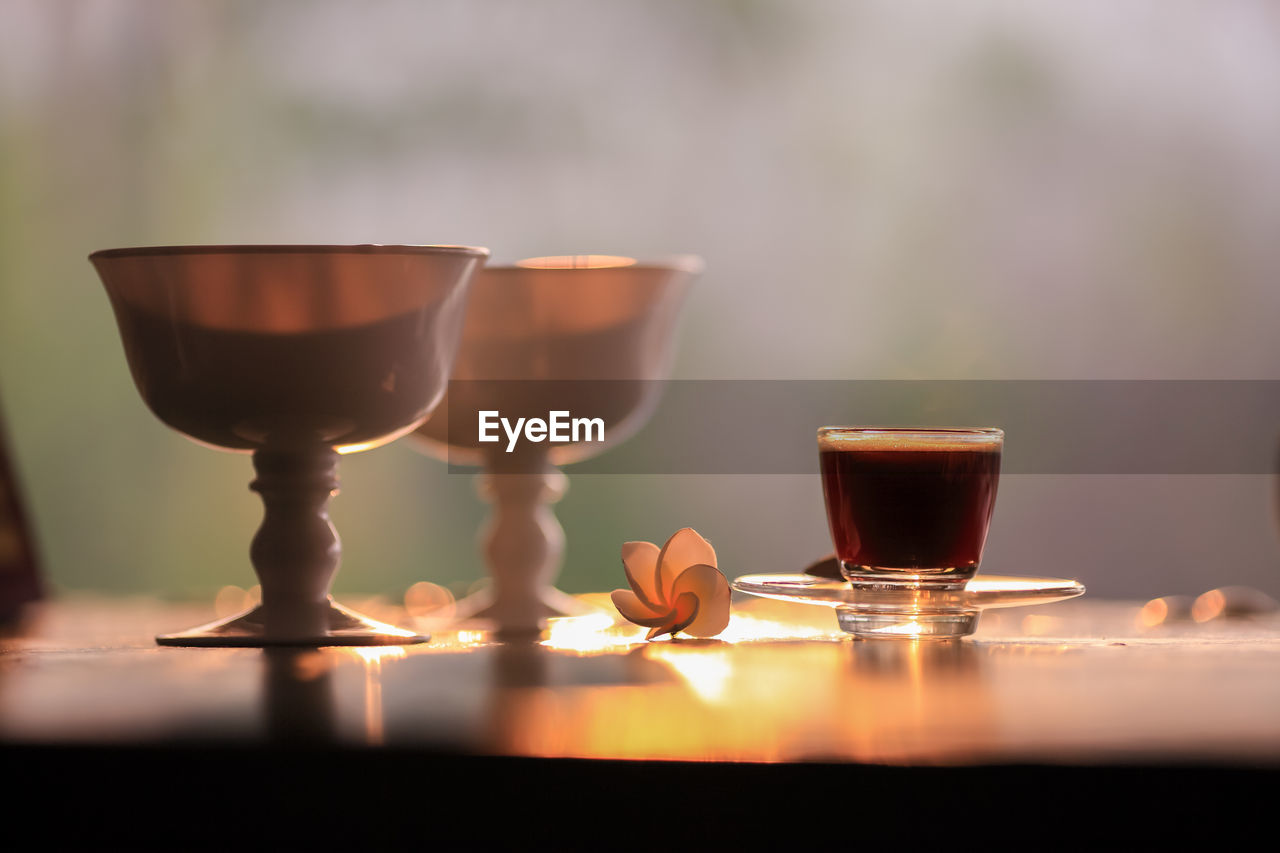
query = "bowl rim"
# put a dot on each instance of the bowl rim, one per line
(686, 263)
(293, 249)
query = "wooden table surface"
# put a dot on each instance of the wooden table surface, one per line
(1074, 682)
(1074, 687)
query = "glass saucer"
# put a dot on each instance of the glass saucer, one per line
(910, 613)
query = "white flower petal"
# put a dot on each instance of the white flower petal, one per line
(685, 548)
(686, 611)
(640, 562)
(633, 609)
(711, 590)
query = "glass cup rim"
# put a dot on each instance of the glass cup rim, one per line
(958, 435)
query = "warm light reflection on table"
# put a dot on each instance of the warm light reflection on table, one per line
(1078, 681)
(780, 684)
(373, 656)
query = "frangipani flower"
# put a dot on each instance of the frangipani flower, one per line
(677, 588)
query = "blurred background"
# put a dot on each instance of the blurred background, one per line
(881, 190)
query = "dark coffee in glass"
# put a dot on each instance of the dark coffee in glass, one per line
(909, 507)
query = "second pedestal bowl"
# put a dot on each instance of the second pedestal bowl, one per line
(588, 335)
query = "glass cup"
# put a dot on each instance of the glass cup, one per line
(909, 508)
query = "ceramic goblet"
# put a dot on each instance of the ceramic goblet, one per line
(586, 334)
(294, 354)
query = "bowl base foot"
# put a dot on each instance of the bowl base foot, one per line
(481, 608)
(248, 630)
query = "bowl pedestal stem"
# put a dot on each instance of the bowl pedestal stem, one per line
(295, 555)
(523, 545)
